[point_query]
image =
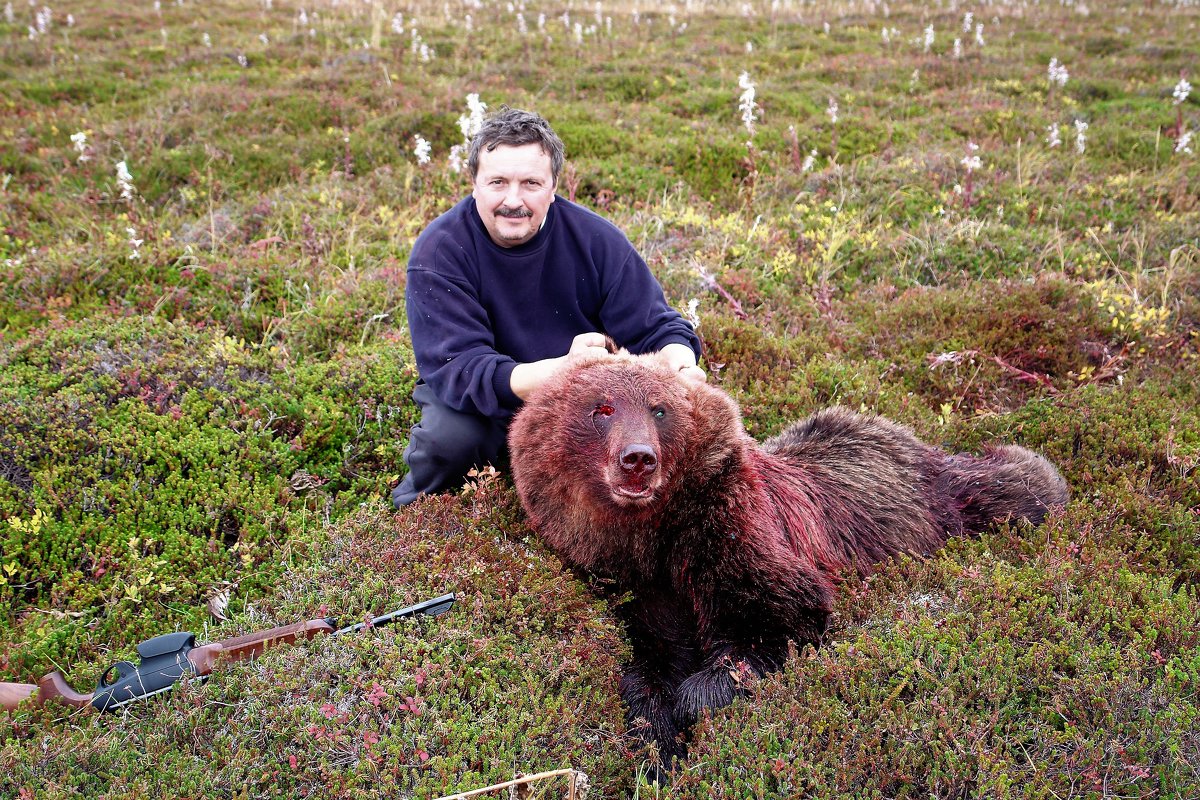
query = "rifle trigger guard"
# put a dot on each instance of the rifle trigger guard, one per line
(122, 669)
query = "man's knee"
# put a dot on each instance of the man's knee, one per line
(444, 445)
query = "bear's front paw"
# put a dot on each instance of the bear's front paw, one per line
(713, 687)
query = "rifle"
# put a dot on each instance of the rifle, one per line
(167, 658)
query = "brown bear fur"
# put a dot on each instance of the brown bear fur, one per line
(731, 549)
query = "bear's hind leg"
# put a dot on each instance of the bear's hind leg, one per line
(1006, 482)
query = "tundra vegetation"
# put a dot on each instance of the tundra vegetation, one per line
(979, 219)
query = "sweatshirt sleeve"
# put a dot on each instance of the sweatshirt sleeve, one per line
(636, 313)
(454, 346)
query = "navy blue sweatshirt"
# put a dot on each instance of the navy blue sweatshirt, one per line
(476, 310)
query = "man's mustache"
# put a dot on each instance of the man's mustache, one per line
(513, 213)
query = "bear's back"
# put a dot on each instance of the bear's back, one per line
(871, 481)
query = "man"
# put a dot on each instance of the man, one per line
(504, 288)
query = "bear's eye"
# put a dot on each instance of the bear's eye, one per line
(604, 410)
(659, 412)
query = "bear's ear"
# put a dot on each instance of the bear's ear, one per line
(717, 424)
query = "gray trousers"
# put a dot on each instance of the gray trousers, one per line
(445, 444)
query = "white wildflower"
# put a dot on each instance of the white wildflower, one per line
(809, 160)
(1184, 143)
(1052, 137)
(125, 182)
(690, 313)
(971, 160)
(1181, 92)
(968, 19)
(472, 121)
(832, 111)
(1057, 73)
(455, 160)
(929, 36)
(958, 48)
(398, 24)
(1080, 136)
(207, 40)
(79, 140)
(422, 150)
(746, 103)
(134, 244)
(979, 34)
(9, 16)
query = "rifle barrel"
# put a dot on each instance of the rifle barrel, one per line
(430, 608)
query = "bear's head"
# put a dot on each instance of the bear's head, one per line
(600, 451)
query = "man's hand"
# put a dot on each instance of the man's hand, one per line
(680, 358)
(591, 344)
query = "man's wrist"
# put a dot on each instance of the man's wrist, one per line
(528, 377)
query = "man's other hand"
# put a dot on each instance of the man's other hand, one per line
(680, 358)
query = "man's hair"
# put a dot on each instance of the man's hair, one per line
(514, 127)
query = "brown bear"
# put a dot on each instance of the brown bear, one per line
(731, 549)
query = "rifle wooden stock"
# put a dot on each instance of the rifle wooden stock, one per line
(242, 648)
(51, 687)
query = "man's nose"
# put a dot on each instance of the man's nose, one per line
(512, 198)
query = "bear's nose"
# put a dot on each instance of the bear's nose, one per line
(638, 459)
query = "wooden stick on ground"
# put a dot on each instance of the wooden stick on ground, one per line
(578, 784)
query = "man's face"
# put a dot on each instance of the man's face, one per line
(514, 187)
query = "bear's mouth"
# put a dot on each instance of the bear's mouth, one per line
(633, 493)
